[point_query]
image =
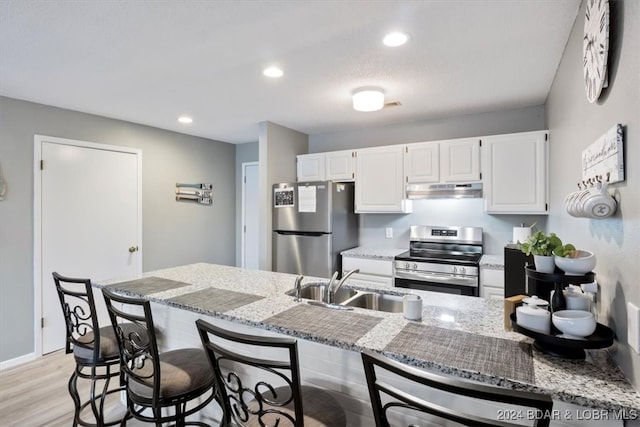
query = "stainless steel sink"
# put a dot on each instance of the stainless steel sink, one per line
(346, 298)
(376, 301)
(318, 291)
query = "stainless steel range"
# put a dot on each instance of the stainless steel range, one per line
(441, 259)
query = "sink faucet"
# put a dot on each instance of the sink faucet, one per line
(329, 286)
(298, 287)
(331, 291)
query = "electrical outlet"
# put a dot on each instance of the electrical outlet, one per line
(633, 326)
(388, 232)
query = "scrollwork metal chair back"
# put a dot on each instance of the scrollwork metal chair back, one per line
(387, 395)
(78, 307)
(138, 347)
(245, 396)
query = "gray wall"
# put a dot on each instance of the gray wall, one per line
(244, 153)
(574, 124)
(497, 228)
(518, 120)
(278, 148)
(173, 233)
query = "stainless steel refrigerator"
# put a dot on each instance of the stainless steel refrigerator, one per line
(312, 223)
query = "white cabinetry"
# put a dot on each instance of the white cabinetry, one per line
(311, 167)
(330, 166)
(491, 283)
(380, 181)
(340, 165)
(378, 271)
(460, 160)
(456, 160)
(515, 173)
(422, 162)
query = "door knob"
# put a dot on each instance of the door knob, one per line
(133, 249)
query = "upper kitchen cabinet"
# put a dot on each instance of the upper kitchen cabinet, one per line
(460, 160)
(340, 165)
(515, 169)
(380, 181)
(311, 167)
(330, 166)
(422, 162)
(456, 160)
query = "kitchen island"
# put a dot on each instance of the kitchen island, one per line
(330, 340)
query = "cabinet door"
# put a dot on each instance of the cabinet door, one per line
(460, 160)
(515, 173)
(380, 180)
(422, 162)
(491, 292)
(311, 167)
(340, 165)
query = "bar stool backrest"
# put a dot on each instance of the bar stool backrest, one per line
(79, 310)
(252, 386)
(387, 380)
(138, 347)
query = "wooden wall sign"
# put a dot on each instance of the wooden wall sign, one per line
(604, 158)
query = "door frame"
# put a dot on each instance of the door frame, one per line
(243, 224)
(38, 140)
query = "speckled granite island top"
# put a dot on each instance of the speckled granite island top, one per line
(257, 298)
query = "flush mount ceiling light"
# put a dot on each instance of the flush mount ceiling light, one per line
(395, 39)
(273, 72)
(185, 120)
(368, 99)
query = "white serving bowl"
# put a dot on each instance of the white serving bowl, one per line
(584, 263)
(574, 323)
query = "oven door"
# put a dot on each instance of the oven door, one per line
(451, 284)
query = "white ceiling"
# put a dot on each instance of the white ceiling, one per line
(149, 62)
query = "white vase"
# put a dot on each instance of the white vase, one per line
(544, 263)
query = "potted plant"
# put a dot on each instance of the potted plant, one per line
(541, 246)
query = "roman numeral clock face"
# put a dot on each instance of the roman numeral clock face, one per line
(595, 47)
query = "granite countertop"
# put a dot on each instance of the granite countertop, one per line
(372, 253)
(495, 262)
(259, 300)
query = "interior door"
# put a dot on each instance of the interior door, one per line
(90, 222)
(250, 200)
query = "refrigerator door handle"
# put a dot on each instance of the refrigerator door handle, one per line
(301, 233)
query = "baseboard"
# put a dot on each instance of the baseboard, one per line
(12, 363)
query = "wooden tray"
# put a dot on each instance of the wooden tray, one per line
(566, 347)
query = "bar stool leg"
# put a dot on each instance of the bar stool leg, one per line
(73, 391)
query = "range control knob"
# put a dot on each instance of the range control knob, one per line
(407, 266)
(415, 266)
(455, 270)
(463, 270)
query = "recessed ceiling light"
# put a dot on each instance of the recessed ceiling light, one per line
(185, 120)
(368, 99)
(395, 39)
(273, 72)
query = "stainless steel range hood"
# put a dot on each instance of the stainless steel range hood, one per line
(444, 191)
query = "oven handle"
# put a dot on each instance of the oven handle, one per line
(437, 278)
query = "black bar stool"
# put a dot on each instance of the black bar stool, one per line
(161, 387)
(258, 392)
(387, 395)
(95, 350)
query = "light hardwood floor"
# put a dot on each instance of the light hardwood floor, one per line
(36, 394)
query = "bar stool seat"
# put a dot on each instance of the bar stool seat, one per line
(99, 366)
(161, 387)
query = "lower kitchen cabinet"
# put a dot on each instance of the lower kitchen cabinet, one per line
(515, 173)
(378, 271)
(491, 283)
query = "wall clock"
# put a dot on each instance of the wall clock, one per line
(595, 47)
